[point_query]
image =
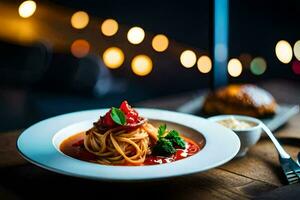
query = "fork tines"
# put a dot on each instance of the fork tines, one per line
(291, 170)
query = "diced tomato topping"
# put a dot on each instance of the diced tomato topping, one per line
(107, 121)
(125, 107)
(132, 117)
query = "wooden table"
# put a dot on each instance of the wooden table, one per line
(243, 178)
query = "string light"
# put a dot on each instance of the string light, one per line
(109, 27)
(258, 66)
(27, 9)
(297, 50)
(204, 64)
(234, 67)
(136, 35)
(284, 51)
(141, 65)
(80, 20)
(80, 48)
(113, 57)
(160, 43)
(188, 58)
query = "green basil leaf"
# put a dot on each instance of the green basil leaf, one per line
(161, 130)
(118, 116)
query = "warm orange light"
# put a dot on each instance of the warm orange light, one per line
(160, 43)
(113, 57)
(204, 64)
(80, 48)
(141, 65)
(234, 67)
(27, 9)
(80, 20)
(109, 27)
(136, 35)
(188, 58)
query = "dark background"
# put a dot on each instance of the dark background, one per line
(29, 92)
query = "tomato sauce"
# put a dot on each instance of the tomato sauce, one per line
(74, 147)
(190, 149)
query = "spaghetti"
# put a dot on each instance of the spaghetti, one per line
(118, 145)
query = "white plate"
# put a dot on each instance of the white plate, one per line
(39, 145)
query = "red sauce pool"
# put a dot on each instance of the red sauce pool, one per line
(73, 146)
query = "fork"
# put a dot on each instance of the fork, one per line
(290, 168)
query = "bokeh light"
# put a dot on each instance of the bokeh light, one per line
(80, 20)
(113, 57)
(109, 27)
(160, 43)
(245, 59)
(141, 65)
(296, 67)
(188, 58)
(297, 49)
(135, 35)
(204, 64)
(234, 67)
(284, 51)
(258, 66)
(27, 9)
(80, 48)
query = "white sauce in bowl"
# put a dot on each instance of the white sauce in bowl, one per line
(236, 124)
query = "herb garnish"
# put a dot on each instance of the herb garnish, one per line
(165, 146)
(174, 137)
(161, 130)
(118, 116)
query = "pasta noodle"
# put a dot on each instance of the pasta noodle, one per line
(121, 145)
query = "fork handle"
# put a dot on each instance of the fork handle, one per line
(279, 148)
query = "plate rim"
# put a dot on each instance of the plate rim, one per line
(98, 111)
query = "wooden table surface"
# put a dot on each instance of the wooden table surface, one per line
(255, 174)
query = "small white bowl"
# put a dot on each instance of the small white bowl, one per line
(248, 136)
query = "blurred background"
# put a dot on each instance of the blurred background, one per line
(61, 56)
